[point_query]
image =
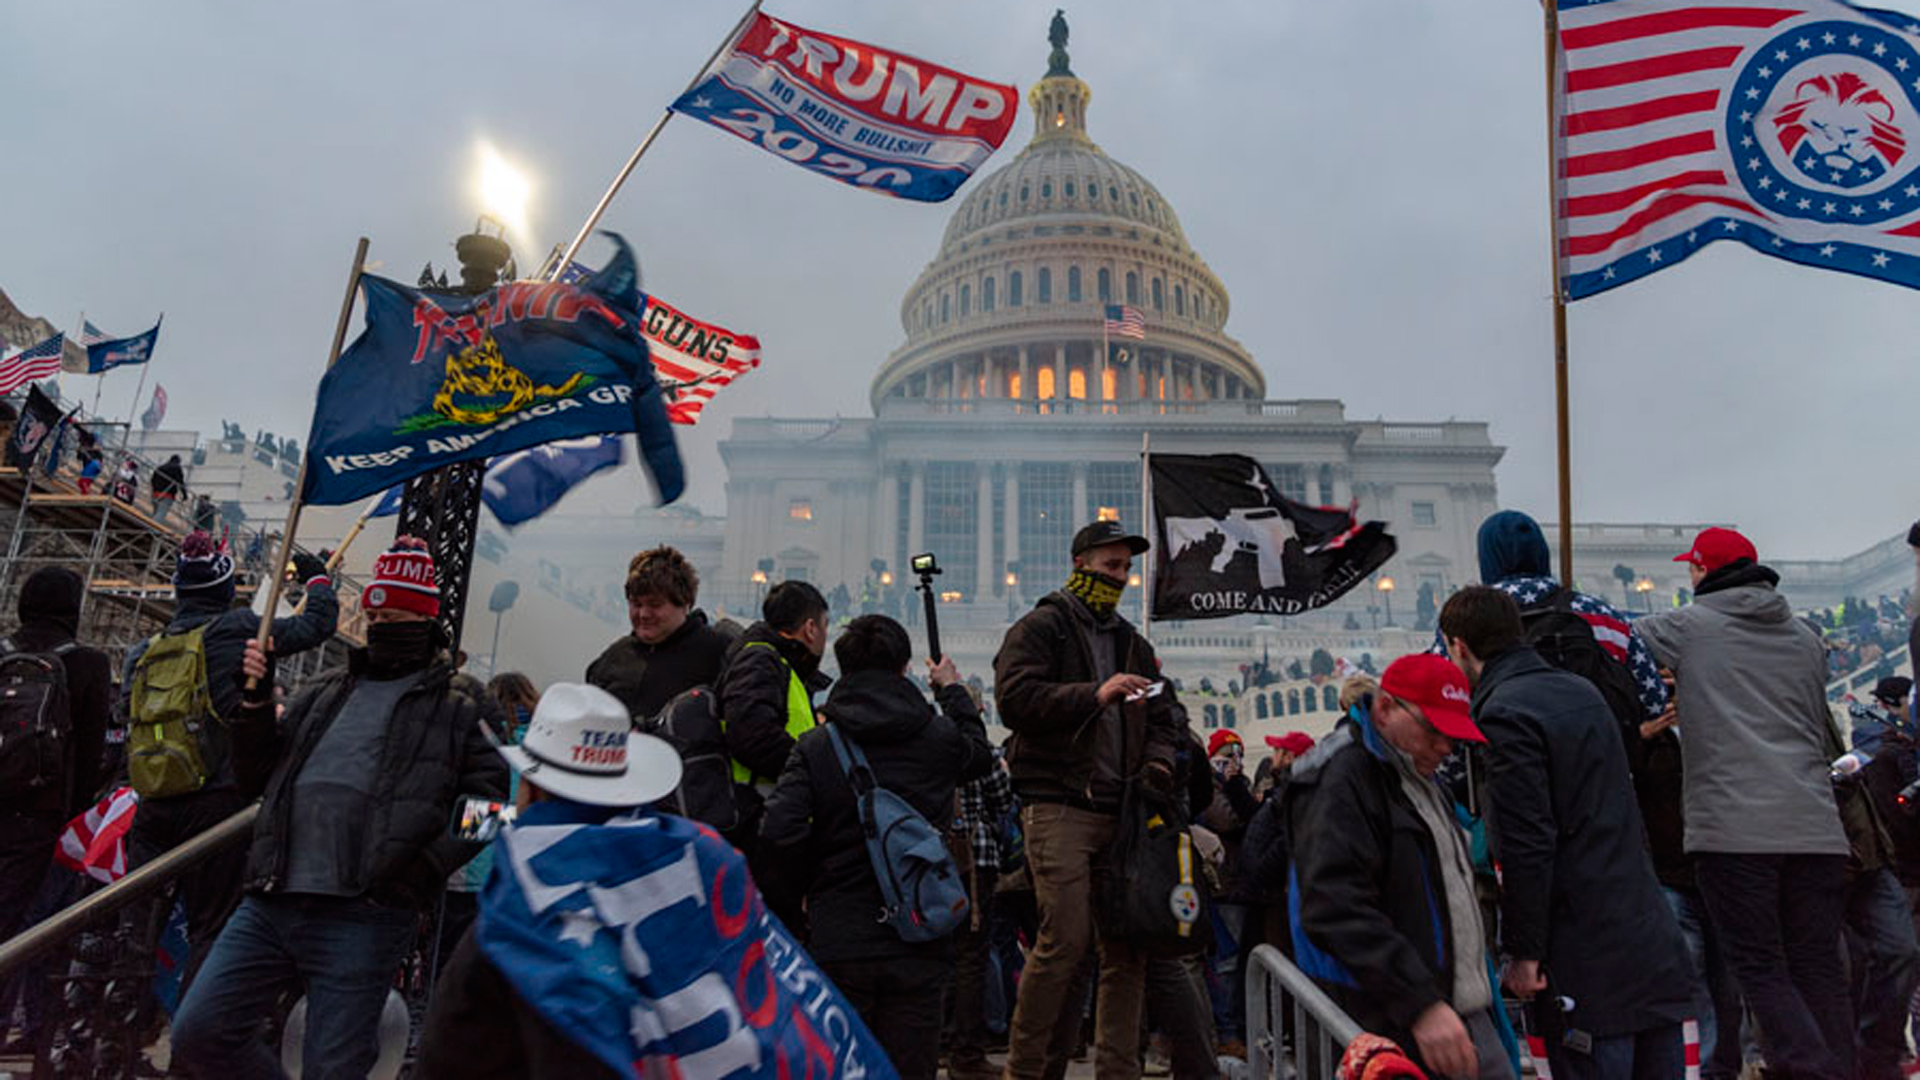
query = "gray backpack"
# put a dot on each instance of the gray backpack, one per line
(924, 894)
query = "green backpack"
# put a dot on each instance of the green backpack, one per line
(170, 716)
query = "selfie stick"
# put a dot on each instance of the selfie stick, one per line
(933, 614)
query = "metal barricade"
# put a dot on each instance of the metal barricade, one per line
(1321, 1030)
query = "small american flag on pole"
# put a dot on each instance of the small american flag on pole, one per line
(29, 364)
(1125, 320)
(91, 334)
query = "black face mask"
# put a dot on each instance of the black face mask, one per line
(400, 648)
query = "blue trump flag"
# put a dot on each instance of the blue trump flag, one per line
(521, 486)
(104, 356)
(435, 379)
(643, 939)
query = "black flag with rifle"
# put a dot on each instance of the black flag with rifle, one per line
(1231, 544)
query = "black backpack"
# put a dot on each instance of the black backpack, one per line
(1565, 640)
(36, 718)
(690, 723)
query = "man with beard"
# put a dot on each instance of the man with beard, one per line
(352, 841)
(1080, 689)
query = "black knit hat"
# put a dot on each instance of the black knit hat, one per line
(52, 596)
(203, 564)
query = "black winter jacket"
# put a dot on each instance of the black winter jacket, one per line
(645, 677)
(479, 1028)
(89, 707)
(813, 827)
(1369, 913)
(432, 754)
(752, 693)
(1045, 683)
(1578, 889)
(226, 639)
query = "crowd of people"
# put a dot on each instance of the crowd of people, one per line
(1635, 828)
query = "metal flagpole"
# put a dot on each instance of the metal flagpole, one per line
(1564, 442)
(654, 133)
(278, 567)
(100, 380)
(1146, 529)
(134, 410)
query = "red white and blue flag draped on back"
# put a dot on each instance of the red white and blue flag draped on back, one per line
(863, 115)
(1784, 126)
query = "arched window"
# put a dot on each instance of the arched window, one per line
(1043, 381)
(1073, 284)
(1293, 703)
(1069, 189)
(1093, 191)
(926, 314)
(1133, 287)
(1276, 703)
(1044, 292)
(1023, 192)
(1179, 300)
(946, 307)
(1313, 700)
(1260, 706)
(1331, 697)
(1159, 297)
(986, 295)
(1213, 716)
(1003, 200)
(966, 300)
(1046, 189)
(1077, 384)
(1226, 715)
(1104, 282)
(1014, 297)
(1113, 193)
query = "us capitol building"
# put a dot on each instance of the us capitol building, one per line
(999, 427)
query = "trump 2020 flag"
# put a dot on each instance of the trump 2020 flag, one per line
(643, 939)
(1785, 126)
(104, 356)
(863, 115)
(437, 378)
(1229, 544)
(527, 483)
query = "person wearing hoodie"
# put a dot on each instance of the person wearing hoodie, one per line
(31, 817)
(812, 829)
(672, 647)
(1081, 691)
(203, 604)
(1762, 827)
(1514, 558)
(352, 843)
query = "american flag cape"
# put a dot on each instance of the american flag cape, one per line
(692, 359)
(94, 843)
(1782, 125)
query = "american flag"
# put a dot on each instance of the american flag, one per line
(692, 359)
(29, 364)
(1783, 125)
(91, 334)
(95, 842)
(1125, 320)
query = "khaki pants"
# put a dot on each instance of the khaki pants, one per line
(1063, 845)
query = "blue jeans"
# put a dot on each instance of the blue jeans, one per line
(1715, 998)
(345, 952)
(1887, 965)
(1654, 1054)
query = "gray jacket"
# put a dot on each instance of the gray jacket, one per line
(1751, 684)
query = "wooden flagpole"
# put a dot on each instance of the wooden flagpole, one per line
(1147, 530)
(626, 170)
(300, 483)
(1564, 441)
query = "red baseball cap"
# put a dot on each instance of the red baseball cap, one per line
(1440, 691)
(1296, 743)
(1221, 738)
(1715, 548)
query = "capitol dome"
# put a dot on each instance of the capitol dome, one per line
(1012, 306)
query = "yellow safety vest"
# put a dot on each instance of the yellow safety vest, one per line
(799, 711)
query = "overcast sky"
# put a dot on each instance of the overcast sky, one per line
(1367, 178)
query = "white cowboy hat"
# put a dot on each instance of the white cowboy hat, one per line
(580, 746)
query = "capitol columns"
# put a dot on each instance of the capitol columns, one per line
(1028, 388)
(1060, 384)
(887, 521)
(983, 528)
(916, 511)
